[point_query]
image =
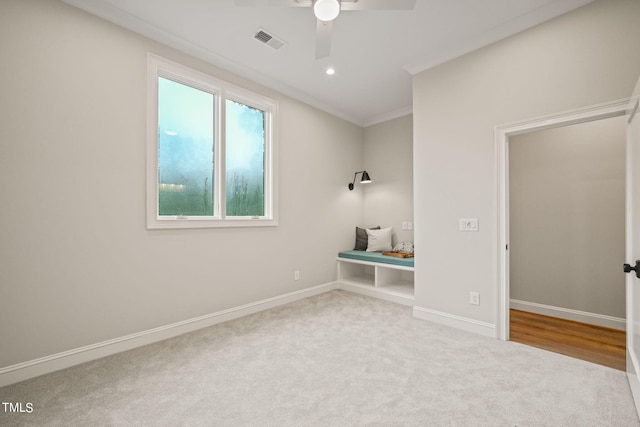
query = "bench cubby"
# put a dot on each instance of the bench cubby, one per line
(374, 274)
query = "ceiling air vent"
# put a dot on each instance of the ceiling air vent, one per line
(268, 39)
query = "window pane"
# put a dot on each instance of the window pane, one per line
(185, 150)
(245, 142)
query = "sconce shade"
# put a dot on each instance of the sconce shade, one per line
(364, 180)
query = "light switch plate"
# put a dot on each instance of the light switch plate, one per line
(468, 224)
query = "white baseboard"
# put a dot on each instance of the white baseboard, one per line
(464, 323)
(44, 365)
(569, 314)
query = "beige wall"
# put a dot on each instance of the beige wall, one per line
(77, 265)
(567, 207)
(388, 157)
(583, 58)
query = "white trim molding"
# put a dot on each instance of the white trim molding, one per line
(391, 115)
(569, 314)
(122, 18)
(528, 20)
(459, 322)
(44, 365)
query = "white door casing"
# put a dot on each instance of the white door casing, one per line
(632, 252)
(502, 134)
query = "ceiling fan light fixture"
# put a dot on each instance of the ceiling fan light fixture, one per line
(326, 10)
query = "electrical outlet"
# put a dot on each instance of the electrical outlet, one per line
(409, 225)
(296, 275)
(405, 225)
(474, 298)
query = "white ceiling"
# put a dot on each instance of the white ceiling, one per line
(374, 52)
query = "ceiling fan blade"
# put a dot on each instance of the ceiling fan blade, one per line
(377, 4)
(285, 3)
(323, 39)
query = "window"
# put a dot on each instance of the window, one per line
(210, 149)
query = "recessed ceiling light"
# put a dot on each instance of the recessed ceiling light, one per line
(171, 132)
(330, 71)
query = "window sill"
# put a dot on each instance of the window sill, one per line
(168, 224)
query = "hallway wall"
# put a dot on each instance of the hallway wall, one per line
(567, 217)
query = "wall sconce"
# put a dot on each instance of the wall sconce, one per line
(365, 179)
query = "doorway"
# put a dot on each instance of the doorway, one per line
(503, 136)
(567, 234)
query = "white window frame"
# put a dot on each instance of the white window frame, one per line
(161, 67)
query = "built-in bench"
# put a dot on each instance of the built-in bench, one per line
(374, 274)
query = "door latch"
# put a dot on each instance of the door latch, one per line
(636, 268)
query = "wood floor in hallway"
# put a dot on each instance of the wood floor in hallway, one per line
(596, 344)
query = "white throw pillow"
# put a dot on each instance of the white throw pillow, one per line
(379, 240)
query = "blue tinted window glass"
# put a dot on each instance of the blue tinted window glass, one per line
(185, 150)
(245, 155)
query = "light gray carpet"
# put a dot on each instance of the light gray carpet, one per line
(337, 359)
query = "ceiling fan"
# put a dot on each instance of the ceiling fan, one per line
(328, 10)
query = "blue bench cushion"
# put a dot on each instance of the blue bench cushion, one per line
(376, 257)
